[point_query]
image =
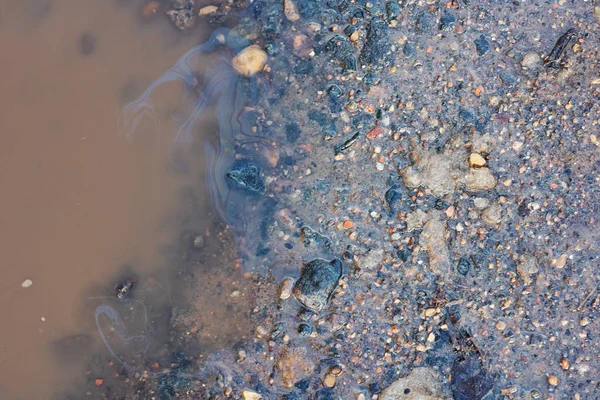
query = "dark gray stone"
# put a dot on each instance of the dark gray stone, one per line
(464, 266)
(377, 44)
(482, 45)
(317, 282)
(392, 9)
(340, 48)
(424, 23)
(246, 175)
(470, 381)
(87, 44)
(182, 13)
(447, 20)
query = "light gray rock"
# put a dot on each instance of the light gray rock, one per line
(421, 384)
(480, 179)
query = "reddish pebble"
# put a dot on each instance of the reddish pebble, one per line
(375, 132)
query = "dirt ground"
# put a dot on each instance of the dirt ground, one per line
(428, 227)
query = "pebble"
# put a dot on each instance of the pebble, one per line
(476, 160)
(87, 44)
(316, 284)
(480, 179)
(493, 214)
(337, 370)
(250, 395)
(285, 289)
(597, 14)
(207, 10)
(482, 45)
(150, 9)
(564, 363)
(329, 380)
(584, 321)
(531, 61)
(26, 283)
(430, 312)
(290, 11)
(261, 331)
(250, 60)
(561, 261)
(182, 14)
(553, 380)
(500, 325)
(509, 390)
(421, 383)
(535, 394)
(199, 242)
(481, 203)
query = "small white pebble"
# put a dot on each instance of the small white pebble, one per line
(26, 283)
(43, 319)
(379, 166)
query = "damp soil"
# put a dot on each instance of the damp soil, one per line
(323, 200)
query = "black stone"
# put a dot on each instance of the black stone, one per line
(482, 45)
(309, 236)
(317, 282)
(246, 175)
(87, 44)
(377, 44)
(303, 385)
(447, 20)
(523, 208)
(305, 330)
(335, 91)
(469, 380)
(340, 48)
(464, 266)
(508, 78)
(123, 288)
(182, 13)
(292, 132)
(392, 9)
(424, 23)
(466, 115)
(404, 254)
(398, 198)
(304, 67)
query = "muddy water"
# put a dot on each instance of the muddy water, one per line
(79, 199)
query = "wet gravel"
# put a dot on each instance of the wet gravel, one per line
(445, 156)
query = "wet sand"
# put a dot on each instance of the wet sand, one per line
(79, 198)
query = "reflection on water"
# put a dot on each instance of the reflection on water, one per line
(227, 93)
(81, 200)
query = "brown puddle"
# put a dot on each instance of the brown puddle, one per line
(80, 200)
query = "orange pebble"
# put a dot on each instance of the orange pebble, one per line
(150, 9)
(99, 382)
(348, 224)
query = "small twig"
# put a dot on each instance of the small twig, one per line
(587, 298)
